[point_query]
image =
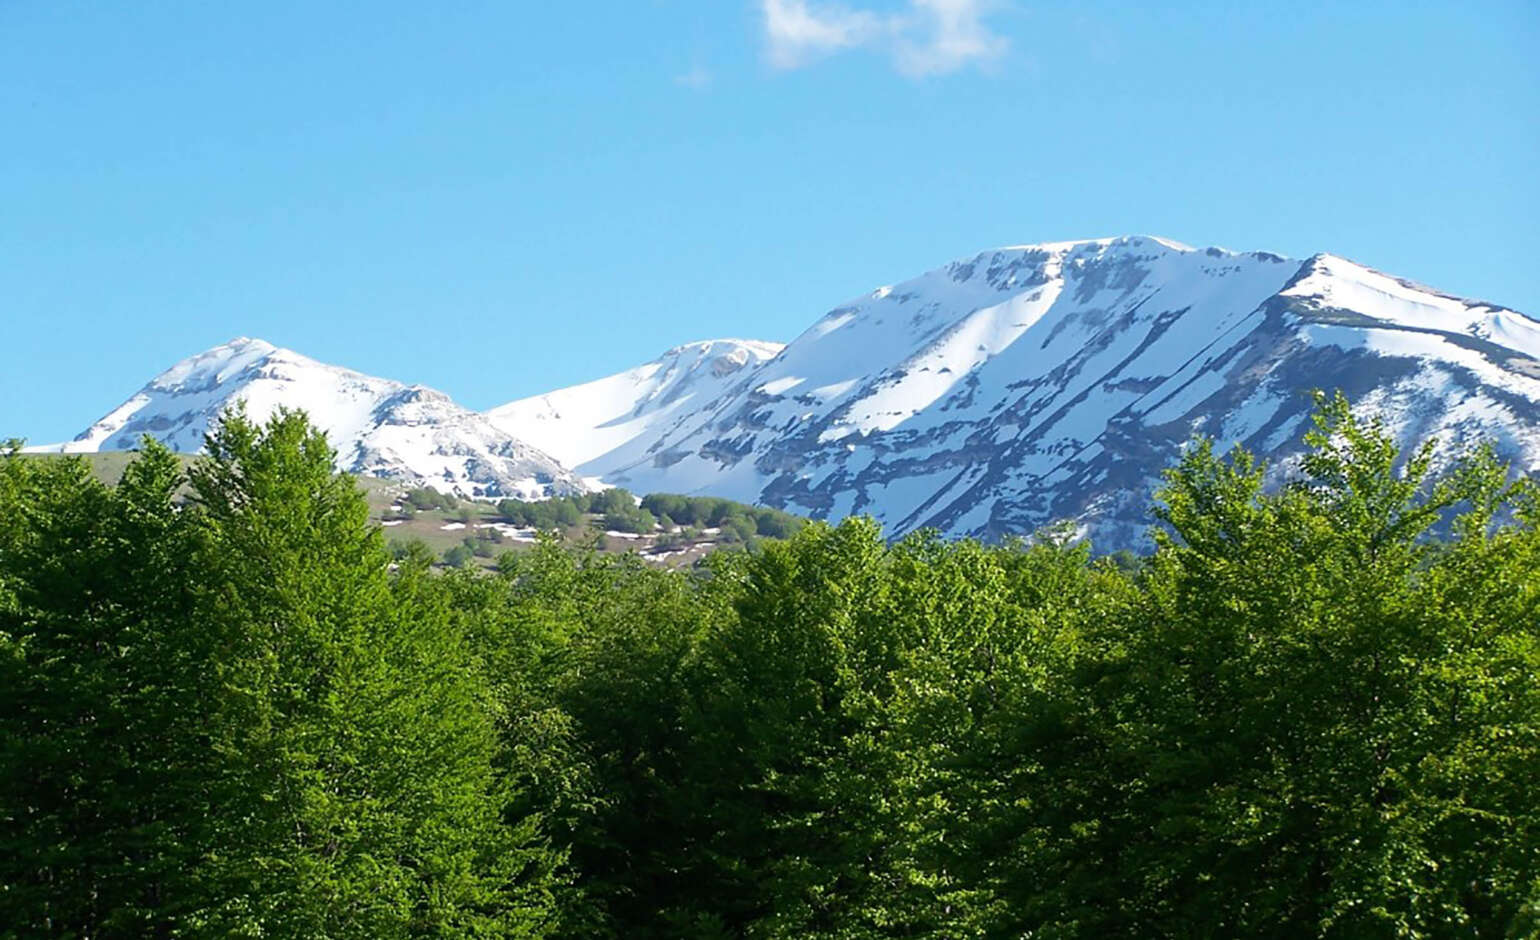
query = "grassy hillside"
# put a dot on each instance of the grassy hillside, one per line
(665, 529)
(108, 466)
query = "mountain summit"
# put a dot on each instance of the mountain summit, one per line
(614, 416)
(1056, 381)
(988, 397)
(379, 427)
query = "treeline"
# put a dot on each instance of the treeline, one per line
(620, 511)
(1303, 715)
(669, 520)
(732, 518)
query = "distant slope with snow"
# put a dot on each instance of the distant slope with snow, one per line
(593, 426)
(989, 397)
(1048, 382)
(379, 427)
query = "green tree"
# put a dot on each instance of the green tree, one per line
(354, 789)
(612, 500)
(102, 768)
(514, 511)
(1311, 712)
(566, 514)
(595, 652)
(1313, 725)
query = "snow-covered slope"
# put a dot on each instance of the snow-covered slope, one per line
(988, 397)
(1045, 382)
(620, 415)
(379, 427)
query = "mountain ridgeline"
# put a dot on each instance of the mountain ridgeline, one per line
(990, 397)
(412, 434)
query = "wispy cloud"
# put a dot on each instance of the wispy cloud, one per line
(929, 37)
(952, 35)
(799, 32)
(697, 77)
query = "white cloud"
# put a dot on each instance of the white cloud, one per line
(930, 37)
(954, 35)
(798, 32)
(697, 77)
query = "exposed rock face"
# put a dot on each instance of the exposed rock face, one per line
(1048, 382)
(989, 397)
(603, 423)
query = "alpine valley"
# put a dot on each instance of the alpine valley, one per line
(1000, 393)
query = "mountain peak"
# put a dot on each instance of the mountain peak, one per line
(992, 395)
(216, 365)
(413, 434)
(727, 346)
(1142, 242)
(241, 342)
(634, 404)
(1036, 383)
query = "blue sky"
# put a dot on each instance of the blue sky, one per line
(499, 198)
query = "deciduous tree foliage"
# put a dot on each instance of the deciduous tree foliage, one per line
(223, 721)
(1312, 711)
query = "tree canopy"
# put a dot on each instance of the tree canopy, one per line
(1311, 711)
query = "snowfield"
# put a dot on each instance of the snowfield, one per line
(1026, 385)
(988, 397)
(379, 427)
(579, 424)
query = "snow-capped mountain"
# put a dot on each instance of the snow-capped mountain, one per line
(619, 417)
(989, 397)
(1055, 381)
(379, 427)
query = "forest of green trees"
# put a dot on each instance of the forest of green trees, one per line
(229, 711)
(617, 509)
